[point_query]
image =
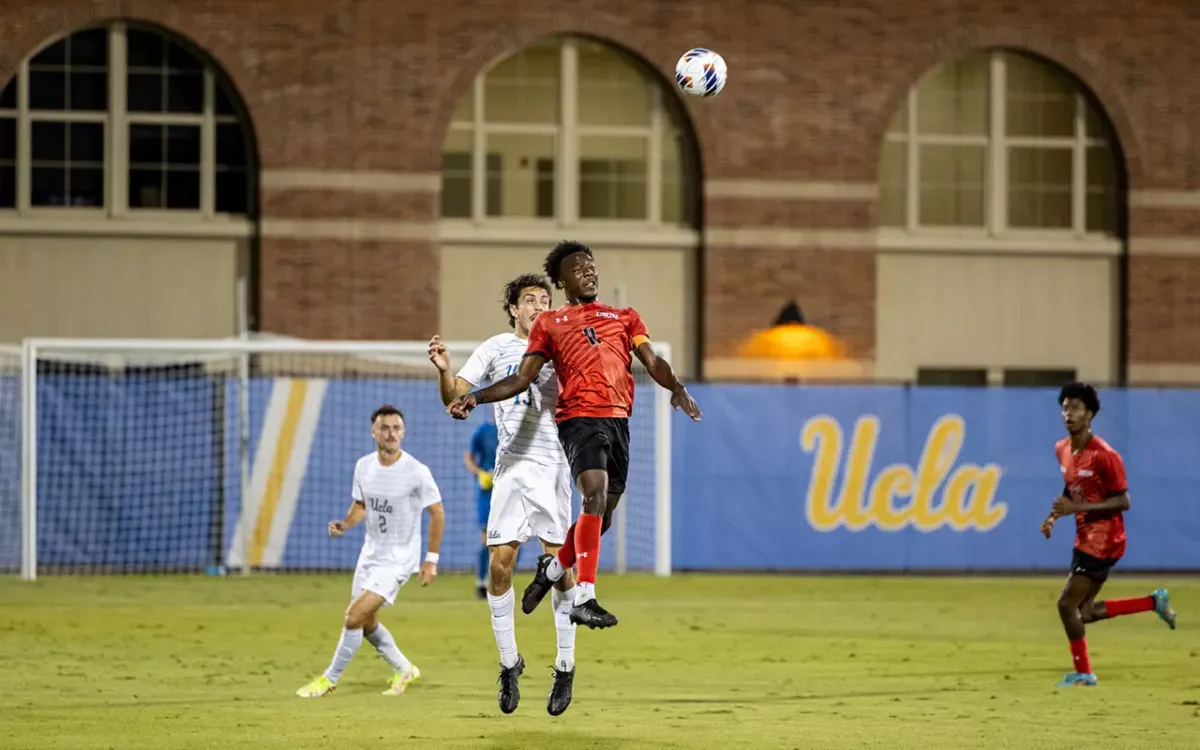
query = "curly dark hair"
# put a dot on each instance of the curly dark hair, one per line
(561, 252)
(386, 411)
(1083, 392)
(512, 292)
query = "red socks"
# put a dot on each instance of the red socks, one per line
(566, 553)
(1079, 655)
(587, 545)
(1118, 607)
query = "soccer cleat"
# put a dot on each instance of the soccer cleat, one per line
(481, 591)
(401, 681)
(1162, 607)
(1079, 679)
(590, 613)
(560, 693)
(538, 587)
(317, 688)
(510, 691)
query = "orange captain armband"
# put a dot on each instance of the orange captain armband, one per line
(639, 340)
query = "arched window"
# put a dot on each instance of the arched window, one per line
(568, 130)
(122, 119)
(1003, 143)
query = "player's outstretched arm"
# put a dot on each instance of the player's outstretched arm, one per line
(450, 386)
(437, 525)
(663, 374)
(518, 382)
(354, 516)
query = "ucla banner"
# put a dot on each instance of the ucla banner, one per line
(899, 478)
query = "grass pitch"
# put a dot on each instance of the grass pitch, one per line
(697, 662)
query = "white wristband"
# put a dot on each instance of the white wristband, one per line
(431, 557)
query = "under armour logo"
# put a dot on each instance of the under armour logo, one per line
(583, 554)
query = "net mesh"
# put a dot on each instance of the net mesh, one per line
(152, 462)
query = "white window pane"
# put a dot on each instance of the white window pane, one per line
(465, 110)
(164, 166)
(893, 184)
(612, 89)
(899, 123)
(953, 100)
(1102, 203)
(1040, 100)
(612, 177)
(1039, 188)
(952, 185)
(524, 87)
(520, 175)
(456, 174)
(678, 200)
(67, 162)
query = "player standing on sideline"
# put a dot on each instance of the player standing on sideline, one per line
(389, 490)
(480, 459)
(590, 345)
(531, 494)
(1095, 493)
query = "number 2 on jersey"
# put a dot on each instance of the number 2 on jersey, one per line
(521, 399)
(590, 334)
(382, 524)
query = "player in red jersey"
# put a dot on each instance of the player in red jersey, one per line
(592, 347)
(1095, 493)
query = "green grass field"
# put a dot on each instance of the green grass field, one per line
(697, 662)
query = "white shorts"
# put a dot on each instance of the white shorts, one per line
(529, 500)
(385, 580)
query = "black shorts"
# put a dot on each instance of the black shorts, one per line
(1095, 568)
(597, 443)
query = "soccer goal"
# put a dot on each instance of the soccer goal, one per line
(215, 456)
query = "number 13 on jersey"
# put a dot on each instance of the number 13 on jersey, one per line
(521, 399)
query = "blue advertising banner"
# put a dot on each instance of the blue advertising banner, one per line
(906, 478)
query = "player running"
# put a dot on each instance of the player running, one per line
(1095, 493)
(531, 483)
(389, 491)
(590, 345)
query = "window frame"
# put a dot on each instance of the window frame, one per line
(997, 143)
(568, 158)
(117, 121)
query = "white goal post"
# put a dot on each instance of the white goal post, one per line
(223, 455)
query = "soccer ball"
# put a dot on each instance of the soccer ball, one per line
(700, 72)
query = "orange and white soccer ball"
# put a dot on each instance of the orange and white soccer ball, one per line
(701, 72)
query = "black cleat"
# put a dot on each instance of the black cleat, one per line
(590, 613)
(560, 694)
(481, 592)
(537, 589)
(510, 692)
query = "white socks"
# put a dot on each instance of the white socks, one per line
(565, 629)
(503, 626)
(554, 570)
(347, 646)
(584, 592)
(383, 642)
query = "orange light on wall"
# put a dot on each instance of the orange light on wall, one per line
(792, 338)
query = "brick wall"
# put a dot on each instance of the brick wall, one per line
(370, 85)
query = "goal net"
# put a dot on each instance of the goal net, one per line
(174, 456)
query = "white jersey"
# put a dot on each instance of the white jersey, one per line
(394, 497)
(525, 423)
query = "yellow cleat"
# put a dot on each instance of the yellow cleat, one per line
(401, 681)
(317, 688)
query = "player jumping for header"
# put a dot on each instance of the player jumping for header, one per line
(389, 491)
(531, 483)
(590, 345)
(1095, 493)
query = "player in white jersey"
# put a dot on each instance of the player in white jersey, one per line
(389, 491)
(531, 484)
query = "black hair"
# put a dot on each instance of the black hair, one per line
(561, 252)
(1083, 392)
(512, 292)
(386, 411)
